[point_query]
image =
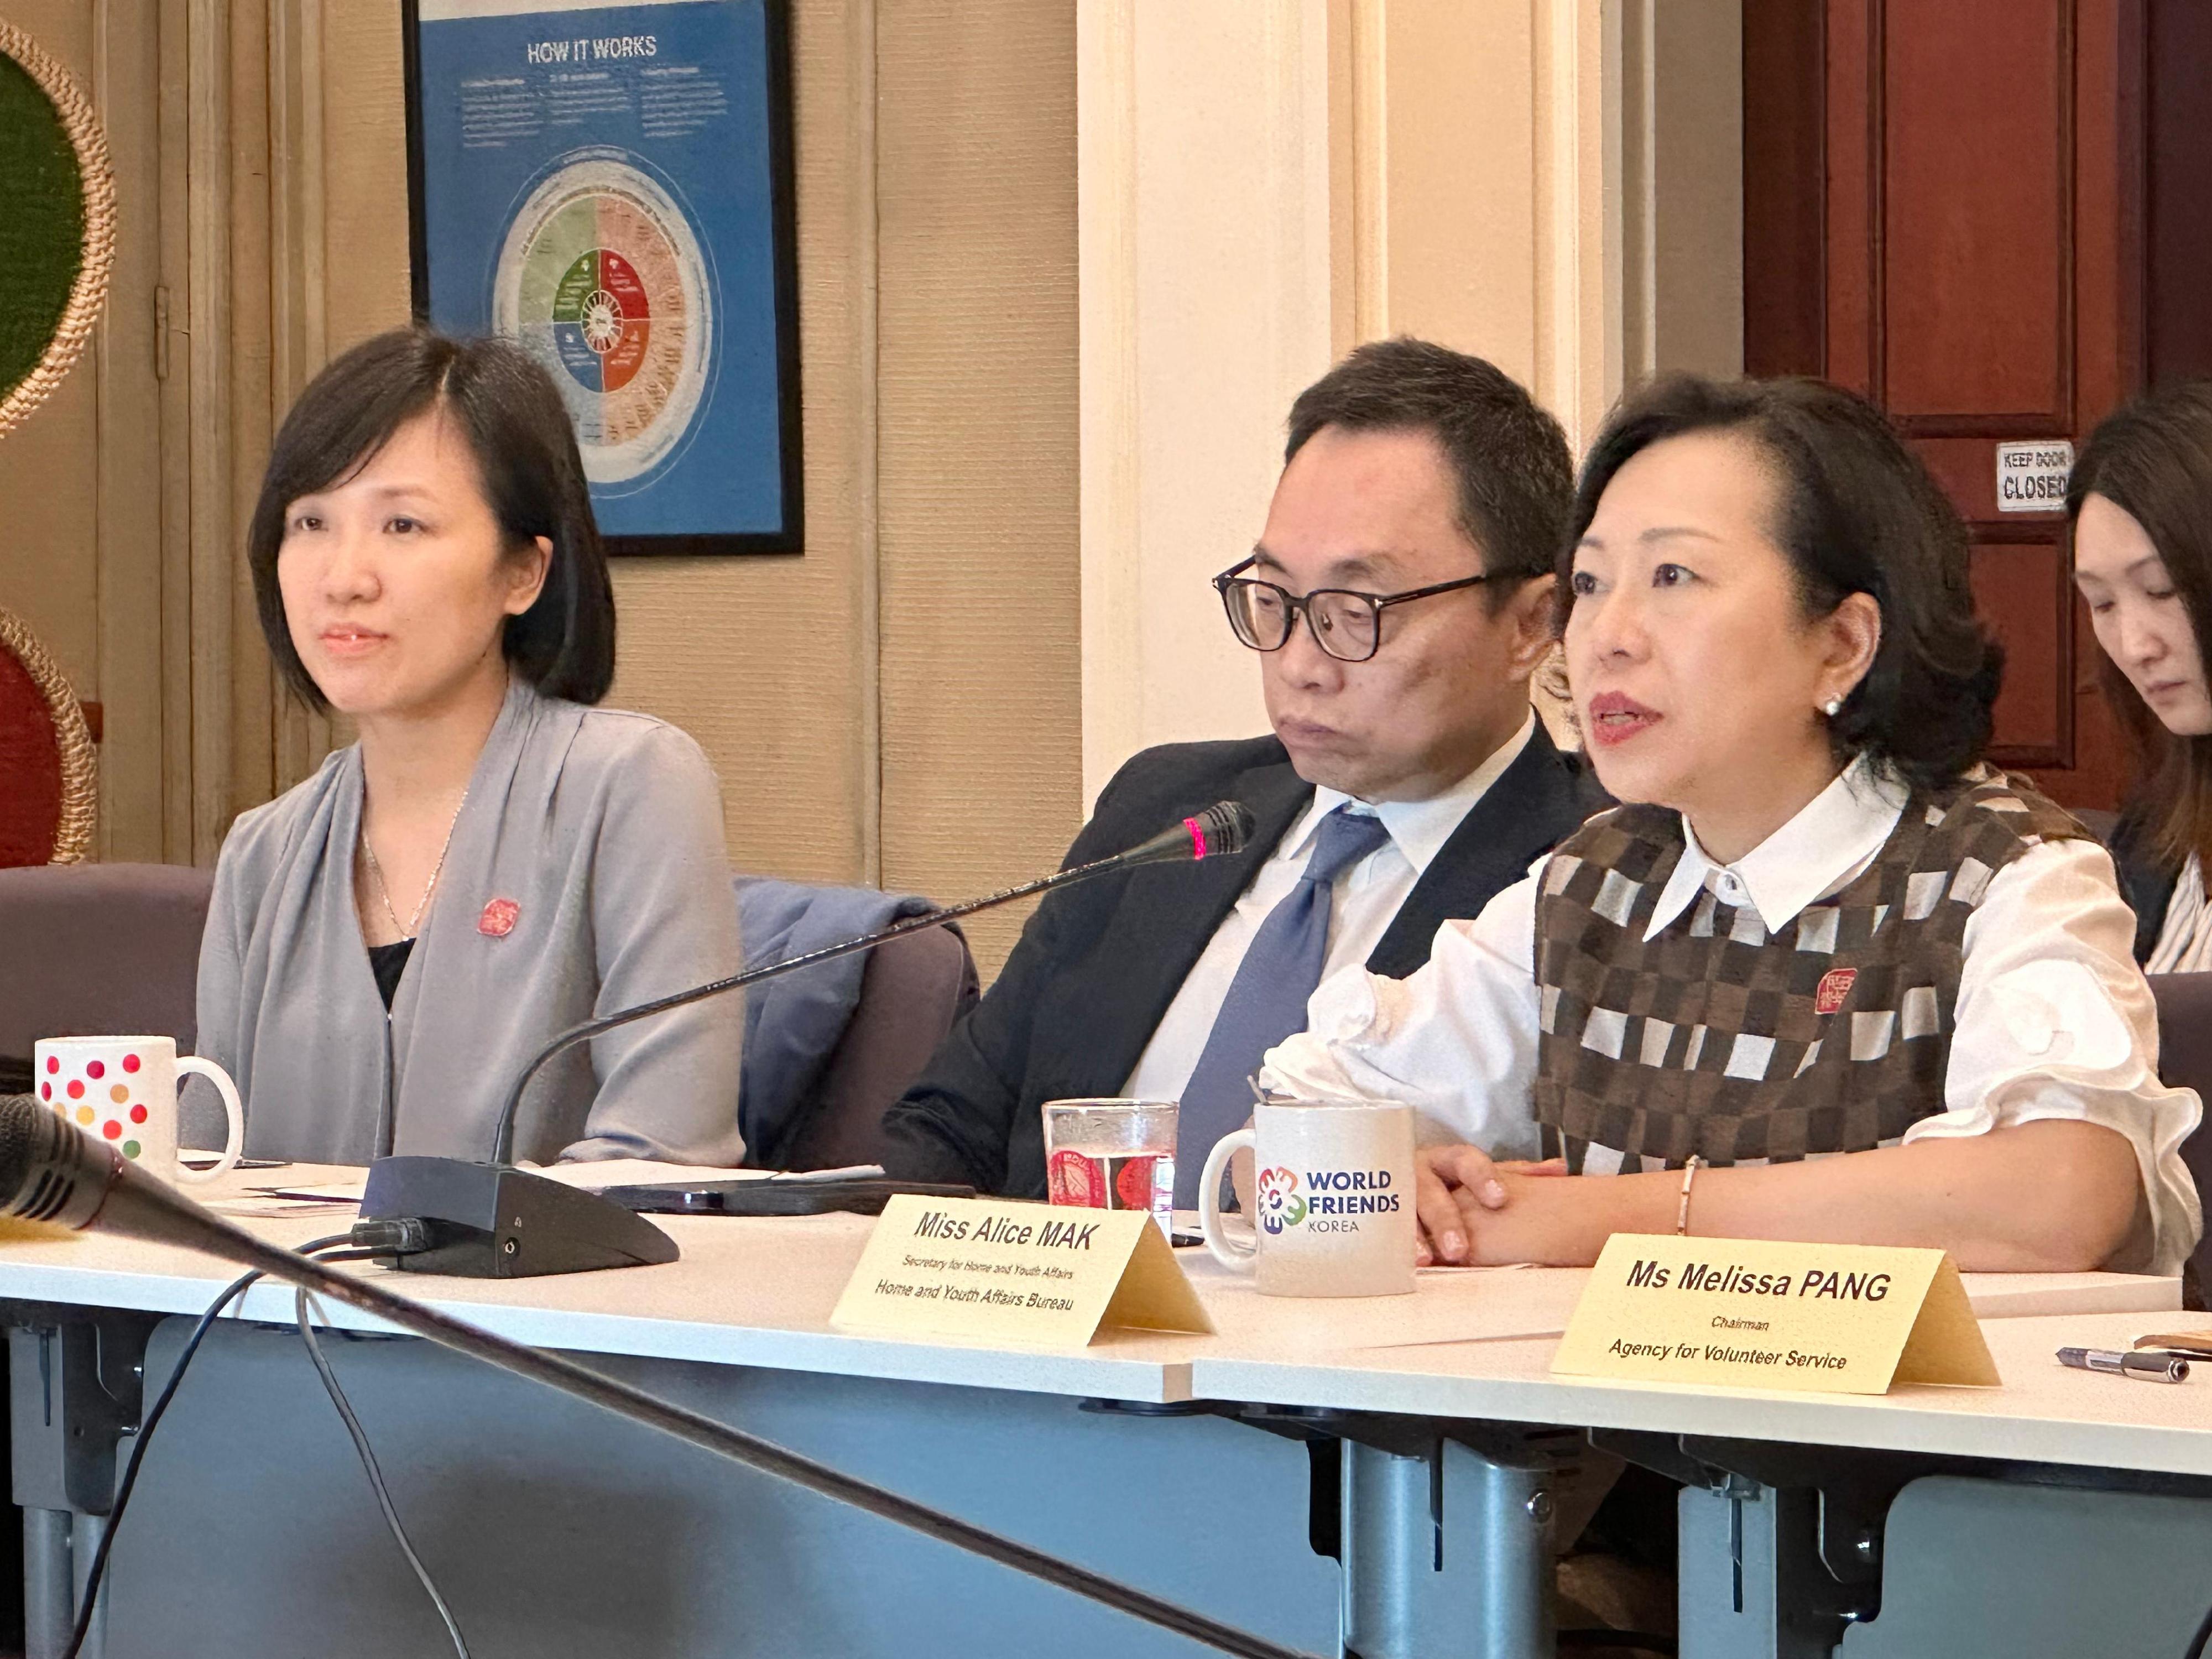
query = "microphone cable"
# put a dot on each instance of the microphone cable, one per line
(2197, 1643)
(300, 1300)
(332, 1248)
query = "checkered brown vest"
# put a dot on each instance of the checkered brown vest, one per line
(1832, 1035)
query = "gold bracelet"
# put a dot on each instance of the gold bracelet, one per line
(1689, 1178)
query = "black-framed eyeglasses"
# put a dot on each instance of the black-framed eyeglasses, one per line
(1345, 622)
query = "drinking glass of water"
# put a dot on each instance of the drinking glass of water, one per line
(1112, 1155)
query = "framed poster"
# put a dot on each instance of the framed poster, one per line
(609, 183)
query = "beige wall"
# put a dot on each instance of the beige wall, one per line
(899, 704)
(1205, 307)
(976, 433)
(1262, 188)
(1681, 122)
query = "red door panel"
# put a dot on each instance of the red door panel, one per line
(1978, 276)
(1973, 196)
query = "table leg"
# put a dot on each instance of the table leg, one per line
(1750, 1586)
(74, 1390)
(1444, 1553)
(49, 1583)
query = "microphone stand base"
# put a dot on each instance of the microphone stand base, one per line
(494, 1221)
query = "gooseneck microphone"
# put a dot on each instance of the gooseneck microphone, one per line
(50, 1171)
(1224, 828)
(494, 1221)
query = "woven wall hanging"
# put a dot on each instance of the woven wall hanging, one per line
(57, 224)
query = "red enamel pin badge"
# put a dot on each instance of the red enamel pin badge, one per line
(1835, 986)
(499, 917)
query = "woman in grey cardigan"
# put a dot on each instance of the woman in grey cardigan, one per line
(493, 861)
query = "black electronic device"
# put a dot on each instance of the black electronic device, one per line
(490, 1221)
(865, 1195)
(193, 1160)
(603, 1226)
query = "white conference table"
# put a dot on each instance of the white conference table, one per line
(1397, 1427)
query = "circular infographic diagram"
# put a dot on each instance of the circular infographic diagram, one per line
(601, 278)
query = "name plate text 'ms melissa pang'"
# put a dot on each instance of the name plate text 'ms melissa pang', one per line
(1746, 1313)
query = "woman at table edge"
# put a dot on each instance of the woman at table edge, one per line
(494, 859)
(2140, 502)
(1823, 976)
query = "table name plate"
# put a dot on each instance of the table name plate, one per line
(1039, 1275)
(1838, 1318)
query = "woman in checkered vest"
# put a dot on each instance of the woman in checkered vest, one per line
(1824, 975)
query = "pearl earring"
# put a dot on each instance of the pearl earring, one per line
(1833, 707)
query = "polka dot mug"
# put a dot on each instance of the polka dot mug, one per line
(123, 1090)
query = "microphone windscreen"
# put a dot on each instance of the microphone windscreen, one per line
(18, 1123)
(1225, 827)
(50, 1170)
(21, 1120)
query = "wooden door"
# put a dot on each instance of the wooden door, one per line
(1942, 212)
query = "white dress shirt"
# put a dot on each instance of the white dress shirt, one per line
(2054, 1019)
(1365, 899)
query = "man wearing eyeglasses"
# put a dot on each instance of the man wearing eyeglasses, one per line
(1398, 599)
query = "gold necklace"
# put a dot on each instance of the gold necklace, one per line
(436, 870)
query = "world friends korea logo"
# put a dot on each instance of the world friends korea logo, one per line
(1279, 1204)
(1331, 1201)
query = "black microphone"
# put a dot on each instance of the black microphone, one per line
(51, 1171)
(493, 1220)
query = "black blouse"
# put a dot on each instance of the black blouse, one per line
(2145, 881)
(388, 962)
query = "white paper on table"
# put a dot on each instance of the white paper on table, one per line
(273, 1207)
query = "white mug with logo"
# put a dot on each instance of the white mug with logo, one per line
(123, 1090)
(1333, 1201)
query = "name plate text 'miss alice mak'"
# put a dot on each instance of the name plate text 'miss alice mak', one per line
(1033, 1274)
(1743, 1313)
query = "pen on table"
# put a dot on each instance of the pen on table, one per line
(2148, 1367)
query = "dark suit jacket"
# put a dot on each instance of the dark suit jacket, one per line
(1099, 962)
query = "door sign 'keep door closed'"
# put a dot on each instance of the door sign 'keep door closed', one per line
(2031, 476)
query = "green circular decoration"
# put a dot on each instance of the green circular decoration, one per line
(57, 224)
(41, 223)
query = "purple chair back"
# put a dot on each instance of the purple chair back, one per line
(87, 949)
(2185, 1061)
(914, 987)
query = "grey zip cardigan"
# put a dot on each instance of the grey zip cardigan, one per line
(587, 872)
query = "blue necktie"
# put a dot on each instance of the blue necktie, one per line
(1267, 1000)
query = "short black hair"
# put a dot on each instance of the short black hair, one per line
(507, 408)
(2153, 459)
(1856, 512)
(1515, 473)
